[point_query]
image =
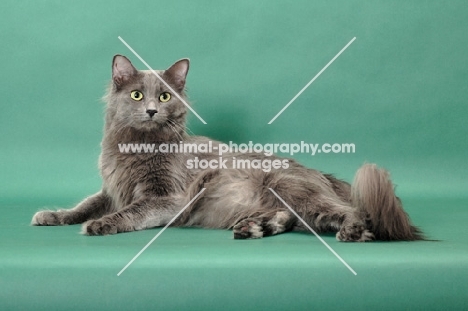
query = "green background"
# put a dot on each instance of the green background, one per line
(398, 93)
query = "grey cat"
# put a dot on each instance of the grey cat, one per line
(145, 190)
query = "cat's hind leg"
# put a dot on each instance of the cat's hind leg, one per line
(356, 232)
(331, 215)
(262, 226)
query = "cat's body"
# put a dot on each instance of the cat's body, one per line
(144, 190)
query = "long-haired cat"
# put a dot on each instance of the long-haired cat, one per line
(145, 190)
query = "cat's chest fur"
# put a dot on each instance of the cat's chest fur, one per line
(129, 177)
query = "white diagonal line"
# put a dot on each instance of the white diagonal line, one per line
(161, 79)
(160, 232)
(311, 81)
(312, 230)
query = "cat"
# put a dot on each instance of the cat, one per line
(145, 190)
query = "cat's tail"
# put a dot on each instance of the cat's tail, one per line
(373, 193)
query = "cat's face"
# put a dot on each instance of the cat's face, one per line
(139, 99)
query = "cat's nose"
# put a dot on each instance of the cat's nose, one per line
(151, 112)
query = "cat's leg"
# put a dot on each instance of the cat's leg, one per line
(150, 211)
(258, 227)
(141, 214)
(92, 207)
(356, 229)
(336, 216)
(355, 232)
(331, 214)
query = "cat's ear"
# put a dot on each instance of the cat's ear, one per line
(176, 73)
(122, 70)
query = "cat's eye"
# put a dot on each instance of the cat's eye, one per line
(164, 97)
(136, 95)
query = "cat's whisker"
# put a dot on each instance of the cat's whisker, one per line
(184, 128)
(178, 127)
(179, 136)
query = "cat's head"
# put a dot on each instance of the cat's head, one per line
(141, 100)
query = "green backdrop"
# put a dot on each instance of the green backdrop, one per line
(398, 93)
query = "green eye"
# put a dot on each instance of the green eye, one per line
(164, 97)
(136, 95)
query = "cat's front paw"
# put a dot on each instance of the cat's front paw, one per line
(101, 226)
(248, 229)
(47, 218)
(354, 233)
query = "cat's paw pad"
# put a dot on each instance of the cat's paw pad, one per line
(98, 227)
(354, 233)
(248, 229)
(46, 218)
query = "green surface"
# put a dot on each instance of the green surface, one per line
(50, 268)
(398, 93)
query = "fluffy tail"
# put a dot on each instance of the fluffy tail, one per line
(373, 193)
